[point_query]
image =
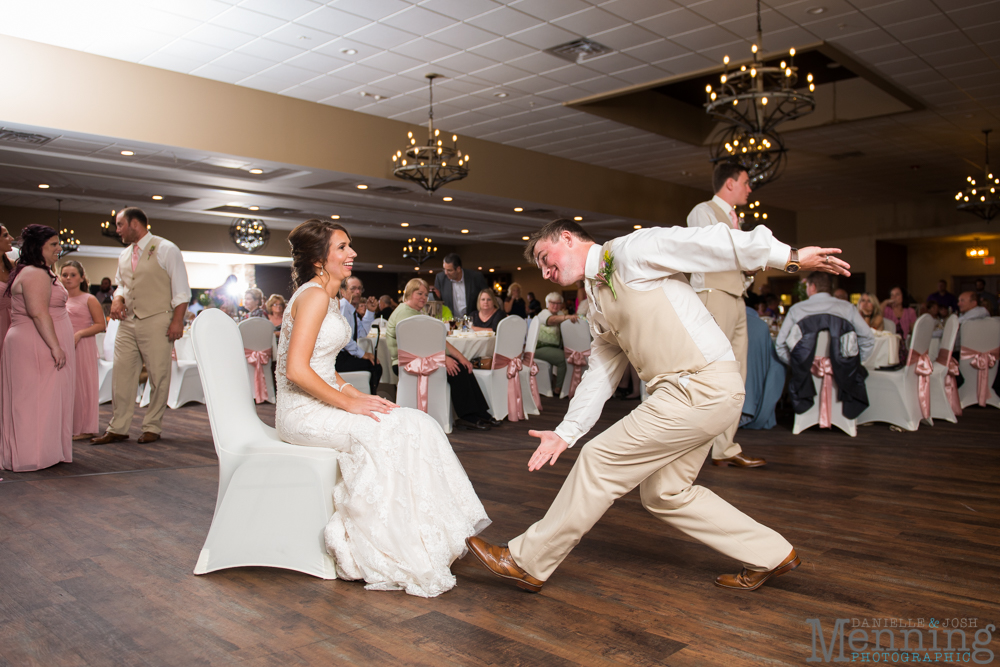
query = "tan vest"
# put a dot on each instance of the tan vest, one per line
(647, 329)
(147, 291)
(730, 282)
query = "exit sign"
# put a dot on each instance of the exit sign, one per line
(989, 260)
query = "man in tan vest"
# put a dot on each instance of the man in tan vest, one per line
(644, 312)
(722, 292)
(150, 302)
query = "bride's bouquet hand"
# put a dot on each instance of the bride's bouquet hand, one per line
(370, 406)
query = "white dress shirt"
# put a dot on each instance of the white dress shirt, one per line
(363, 326)
(170, 259)
(458, 296)
(977, 313)
(817, 304)
(645, 260)
(702, 215)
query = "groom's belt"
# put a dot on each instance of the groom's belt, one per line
(678, 378)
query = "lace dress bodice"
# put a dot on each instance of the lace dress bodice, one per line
(333, 335)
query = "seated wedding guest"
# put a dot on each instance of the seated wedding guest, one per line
(403, 505)
(820, 301)
(6, 266)
(385, 307)
(514, 304)
(38, 368)
(253, 303)
(466, 396)
(360, 314)
(870, 311)
(488, 316)
(194, 307)
(550, 346)
(969, 309)
(905, 318)
(87, 318)
(983, 296)
(534, 307)
(934, 310)
(275, 309)
(841, 293)
(765, 377)
(105, 292)
(945, 300)
(582, 304)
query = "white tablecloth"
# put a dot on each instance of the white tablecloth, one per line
(384, 360)
(886, 352)
(474, 346)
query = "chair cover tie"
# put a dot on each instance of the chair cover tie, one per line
(422, 367)
(515, 402)
(950, 386)
(528, 360)
(577, 359)
(258, 359)
(982, 362)
(823, 369)
(924, 368)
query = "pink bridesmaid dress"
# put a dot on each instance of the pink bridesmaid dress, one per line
(37, 421)
(4, 313)
(85, 403)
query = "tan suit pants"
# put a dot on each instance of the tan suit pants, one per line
(660, 446)
(730, 314)
(140, 342)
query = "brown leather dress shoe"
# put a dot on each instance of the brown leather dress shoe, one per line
(147, 437)
(741, 460)
(498, 561)
(749, 580)
(108, 438)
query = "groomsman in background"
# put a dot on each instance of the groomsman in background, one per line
(150, 302)
(458, 288)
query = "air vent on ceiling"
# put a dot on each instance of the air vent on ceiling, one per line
(579, 50)
(845, 156)
(23, 138)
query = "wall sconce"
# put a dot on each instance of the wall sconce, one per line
(977, 251)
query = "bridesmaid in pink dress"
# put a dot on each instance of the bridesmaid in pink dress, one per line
(38, 368)
(87, 318)
(6, 244)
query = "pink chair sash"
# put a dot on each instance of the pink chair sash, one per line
(515, 402)
(259, 359)
(982, 362)
(577, 359)
(422, 367)
(950, 386)
(924, 369)
(823, 369)
(528, 360)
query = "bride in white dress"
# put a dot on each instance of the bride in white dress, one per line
(403, 505)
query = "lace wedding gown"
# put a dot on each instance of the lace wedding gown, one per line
(403, 505)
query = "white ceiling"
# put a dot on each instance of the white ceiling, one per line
(943, 52)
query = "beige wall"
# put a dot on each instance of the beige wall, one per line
(938, 260)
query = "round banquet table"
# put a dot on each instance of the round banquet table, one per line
(886, 352)
(472, 346)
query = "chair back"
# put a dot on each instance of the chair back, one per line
(575, 335)
(822, 344)
(218, 349)
(950, 333)
(888, 325)
(981, 335)
(99, 339)
(109, 340)
(531, 340)
(423, 336)
(510, 337)
(923, 330)
(257, 333)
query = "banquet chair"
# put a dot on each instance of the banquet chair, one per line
(544, 377)
(274, 498)
(423, 336)
(105, 362)
(894, 394)
(811, 417)
(889, 325)
(496, 384)
(185, 385)
(360, 380)
(979, 338)
(576, 338)
(257, 334)
(945, 367)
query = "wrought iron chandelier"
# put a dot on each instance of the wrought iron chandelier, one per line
(421, 252)
(434, 164)
(109, 229)
(67, 238)
(981, 198)
(249, 234)
(762, 155)
(753, 215)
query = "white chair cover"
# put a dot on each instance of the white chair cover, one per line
(544, 377)
(258, 335)
(941, 407)
(983, 336)
(105, 363)
(494, 383)
(893, 395)
(185, 384)
(888, 325)
(360, 380)
(811, 416)
(575, 336)
(274, 498)
(423, 336)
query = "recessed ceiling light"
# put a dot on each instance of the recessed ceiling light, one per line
(362, 186)
(500, 94)
(157, 197)
(636, 226)
(480, 268)
(416, 268)
(578, 218)
(465, 231)
(491, 270)
(253, 208)
(518, 209)
(816, 10)
(335, 217)
(349, 52)
(404, 224)
(446, 199)
(525, 238)
(519, 268)
(127, 153)
(380, 266)
(256, 171)
(43, 186)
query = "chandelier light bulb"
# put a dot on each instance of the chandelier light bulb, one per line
(809, 78)
(723, 78)
(754, 48)
(708, 88)
(763, 101)
(791, 52)
(783, 64)
(725, 59)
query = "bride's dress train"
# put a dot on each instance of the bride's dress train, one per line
(403, 503)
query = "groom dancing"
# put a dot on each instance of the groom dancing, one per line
(636, 285)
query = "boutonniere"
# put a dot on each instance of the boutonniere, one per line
(605, 272)
(152, 249)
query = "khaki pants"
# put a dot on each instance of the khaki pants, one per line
(660, 446)
(140, 342)
(730, 314)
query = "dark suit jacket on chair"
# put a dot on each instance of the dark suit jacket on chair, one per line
(474, 284)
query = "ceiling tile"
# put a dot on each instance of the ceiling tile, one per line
(325, 86)
(675, 22)
(466, 62)
(544, 36)
(918, 28)
(300, 36)
(641, 74)
(270, 50)
(504, 50)
(266, 83)
(332, 21)
(186, 48)
(504, 21)
(389, 61)
(374, 10)
(549, 10)
(460, 9)
(462, 36)
(243, 62)
(171, 62)
(426, 50)
(590, 21)
(291, 75)
(199, 10)
(973, 16)
(244, 20)
(706, 38)
(418, 20)
(626, 37)
(317, 62)
(533, 84)
(611, 63)
(359, 73)
(657, 51)
(218, 36)
(902, 10)
(501, 74)
(219, 73)
(953, 56)
(571, 74)
(288, 10)
(935, 43)
(638, 10)
(382, 36)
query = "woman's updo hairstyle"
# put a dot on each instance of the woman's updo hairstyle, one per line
(310, 244)
(33, 237)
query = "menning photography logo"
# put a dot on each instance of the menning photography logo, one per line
(902, 640)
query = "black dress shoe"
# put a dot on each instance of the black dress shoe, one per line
(495, 422)
(472, 426)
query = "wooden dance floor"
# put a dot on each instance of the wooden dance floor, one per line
(96, 559)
